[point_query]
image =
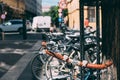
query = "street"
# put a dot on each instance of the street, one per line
(16, 36)
(16, 54)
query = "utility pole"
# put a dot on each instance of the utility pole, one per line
(24, 27)
(3, 16)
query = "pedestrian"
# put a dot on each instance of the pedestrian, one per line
(86, 22)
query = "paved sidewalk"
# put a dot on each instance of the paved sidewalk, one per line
(25, 49)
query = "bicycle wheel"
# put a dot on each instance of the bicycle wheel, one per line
(91, 55)
(37, 67)
(56, 69)
(43, 56)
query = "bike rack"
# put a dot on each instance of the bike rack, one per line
(95, 3)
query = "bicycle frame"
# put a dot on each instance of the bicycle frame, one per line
(79, 63)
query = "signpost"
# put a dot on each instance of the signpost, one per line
(60, 19)
(62, 5)
(3, 16)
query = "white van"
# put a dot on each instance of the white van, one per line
(41, 23)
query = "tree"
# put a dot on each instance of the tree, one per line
(111, 32)
(53, 13)
(46, 13)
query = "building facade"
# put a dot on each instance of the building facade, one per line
(45, 8)
(39, 7)
(33, 7)
(74, 14)
(19, 8)
(13, 8)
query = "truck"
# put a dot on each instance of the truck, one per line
(41, 23)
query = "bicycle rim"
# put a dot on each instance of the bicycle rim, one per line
(43, 57)
(37, 67)
(55, 69)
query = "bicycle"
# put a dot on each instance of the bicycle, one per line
(40, 59)
(62, 61)
(60, 69)
(38, 62)
(66, 66)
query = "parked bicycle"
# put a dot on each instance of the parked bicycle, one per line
(67, 68)
(60, 58)
(61, 66)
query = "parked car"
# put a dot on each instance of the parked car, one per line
(15, 25)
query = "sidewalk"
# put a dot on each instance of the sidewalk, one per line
(15, 56)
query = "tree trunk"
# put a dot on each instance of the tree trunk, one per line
(111, 32)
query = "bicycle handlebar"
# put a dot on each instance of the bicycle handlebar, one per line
(79, 63)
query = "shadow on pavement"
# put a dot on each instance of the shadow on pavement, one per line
(17, 44)
(7, 60)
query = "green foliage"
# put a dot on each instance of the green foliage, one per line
(46, 13)
(54, 14)
(65, 12)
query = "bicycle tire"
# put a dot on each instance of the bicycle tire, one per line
(52, 69)
(43, 56)
(37, 67)
(91, 55)
(61, 68)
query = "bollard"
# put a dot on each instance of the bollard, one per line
(2, 35)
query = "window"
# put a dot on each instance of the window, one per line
(16, 22)
(7, 23)
(91, 14)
